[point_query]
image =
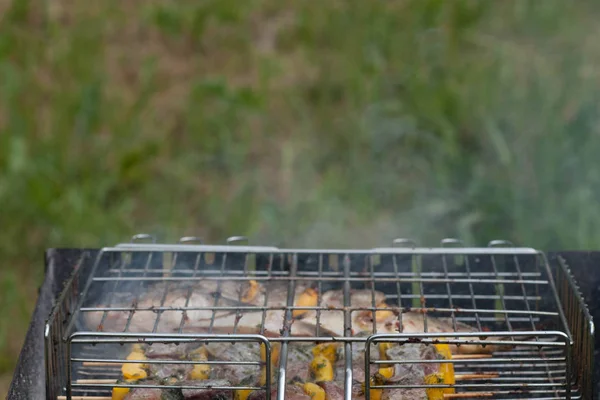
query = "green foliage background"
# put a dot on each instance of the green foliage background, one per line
(309, 123)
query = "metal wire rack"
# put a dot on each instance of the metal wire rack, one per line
(149, 293)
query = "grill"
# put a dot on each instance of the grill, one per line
(517, 324)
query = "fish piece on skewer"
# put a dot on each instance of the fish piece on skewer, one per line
(203, 297)
(250, 321)
(248, 318)
(386, 321)
(251, 318)
(144, 318)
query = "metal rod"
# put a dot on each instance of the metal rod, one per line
(238, 311)
(319, 295)
(266, 301)
(138, 293)
(520, 361)
(218, 294)
(328, 273)
(84, 398)
(189, 293)
(317, 308)
(522, 386)
(398, 292)
(379, 250)
(371, 270)
(144, 386)
(472, 293)
(287, 322)
(118, 362)
(162, 305)
(347, 332)
(450, 302)
(468, 395)
(500, 290)
(523, 290)
(325, 278)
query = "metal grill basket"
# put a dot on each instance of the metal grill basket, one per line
(504, 293)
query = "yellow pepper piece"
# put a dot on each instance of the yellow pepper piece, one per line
(242, 394)
(376, 394)
(446, 369)
(322, 368)
(275, 347)
(263, 352)
(200, 371)
(134, 371)
(119, 393)
(251, 292)
(387, 372)
(444, 376)
(315, 391)
(137, 348)
(376, 380)
(135, 355)
(383, 347)
(308, 298)
(199, 354)
(434, 393)
(327, 350)
(444, 350)
(379, 379)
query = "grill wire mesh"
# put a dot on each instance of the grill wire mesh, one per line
(502, 293)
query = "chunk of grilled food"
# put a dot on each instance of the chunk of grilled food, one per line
(252, 308)
(330, 321)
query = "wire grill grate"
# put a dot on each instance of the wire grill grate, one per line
(142, 293)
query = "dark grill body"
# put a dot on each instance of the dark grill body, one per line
(28, 382)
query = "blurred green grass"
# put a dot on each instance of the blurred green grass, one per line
(337, 123)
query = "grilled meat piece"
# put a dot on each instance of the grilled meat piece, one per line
(358, 362)
(154, 394)
(298, 362)
(299, 358)
(404, 394)
(412, 374)
(207, 392)
(292, 392)
(406, 374)
(333, 390)
(237, 374)
(177, 372)
(298, 370)
(171, 351)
